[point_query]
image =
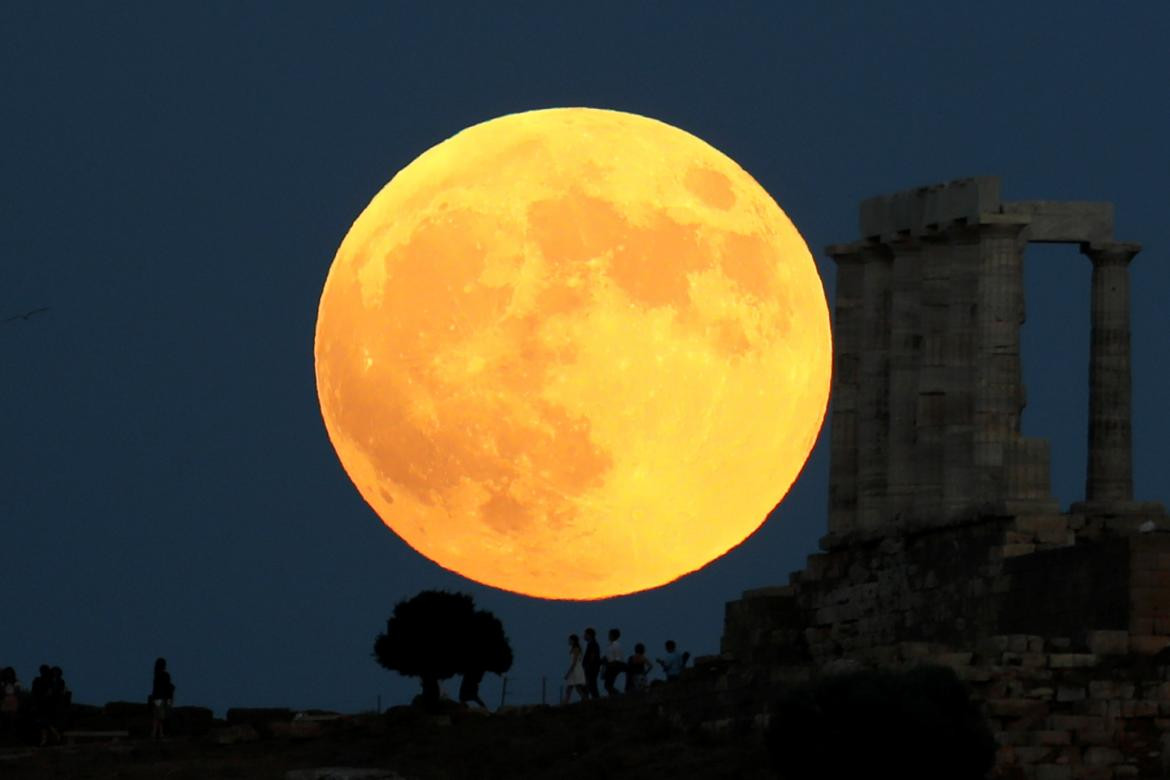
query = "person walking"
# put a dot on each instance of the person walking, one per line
(9, 702)
(575, 676)
(41, 699)
(162, 699)
(637, 667)
(60, 702)
(591, 663)
(614, 662)
(674, 662)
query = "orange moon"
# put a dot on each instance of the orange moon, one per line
(573, 353)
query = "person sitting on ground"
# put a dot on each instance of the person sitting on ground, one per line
(637, 667)
(674, 662)
(575, 676)
(162, 698)
(614, 663)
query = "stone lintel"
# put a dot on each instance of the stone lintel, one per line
(1054, 221)
(917, 210)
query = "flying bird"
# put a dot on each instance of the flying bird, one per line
(27, 314)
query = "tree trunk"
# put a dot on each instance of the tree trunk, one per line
(430, 692)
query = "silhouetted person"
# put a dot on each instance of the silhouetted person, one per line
(469, 688)
(9, 701)
(637, 667)
(591, 663)
(614, 662)
(162, 698)
(42, 706)
(672, 665)
(60, 702)
(575, 676)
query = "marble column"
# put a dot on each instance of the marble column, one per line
(960, 341)
(999, 394)
(873, 392)
(930, 416)
(904, 364)
(847, 351)
(1110, 467)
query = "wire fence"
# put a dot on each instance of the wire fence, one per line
(520, 690)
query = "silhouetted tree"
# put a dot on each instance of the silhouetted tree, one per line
(436, 635)
(914, 725)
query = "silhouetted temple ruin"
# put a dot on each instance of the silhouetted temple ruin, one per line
(945, 544)
(927, 392)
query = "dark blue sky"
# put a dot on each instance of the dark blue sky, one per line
(176, 179)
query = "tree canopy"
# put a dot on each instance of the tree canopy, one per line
(438, 634)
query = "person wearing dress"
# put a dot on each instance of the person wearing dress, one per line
(575, 676)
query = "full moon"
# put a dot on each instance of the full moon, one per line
(573, 353)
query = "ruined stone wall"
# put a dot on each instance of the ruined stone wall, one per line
(1060, 626)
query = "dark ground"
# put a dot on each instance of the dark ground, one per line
(621, 738)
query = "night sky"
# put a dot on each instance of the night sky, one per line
(176, 178)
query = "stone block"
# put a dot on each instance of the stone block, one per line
(1027, 660)
(1070, 693)
(1150, 601)
(1014, 550)
(1017, 643)
(1034, 754)
(1077, 723)
(1061, 538)
(1104, 736)
(1072, 660)
(1102, 756)
(1041, 523)
(1150, 578)
(1147, 644)
(1104, 689)
(1051, 738)
(1108, 642)
(953, 660)
(1053, 772)
(1016, 708)
(992, 645)
(1139, 708)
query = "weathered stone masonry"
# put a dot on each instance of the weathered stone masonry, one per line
(945, 544)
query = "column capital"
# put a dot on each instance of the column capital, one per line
(1110, 252)
(1002, 225)
(857, 252)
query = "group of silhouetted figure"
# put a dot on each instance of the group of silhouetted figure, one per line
(587, 664)
(41, 714)
(42, 711)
